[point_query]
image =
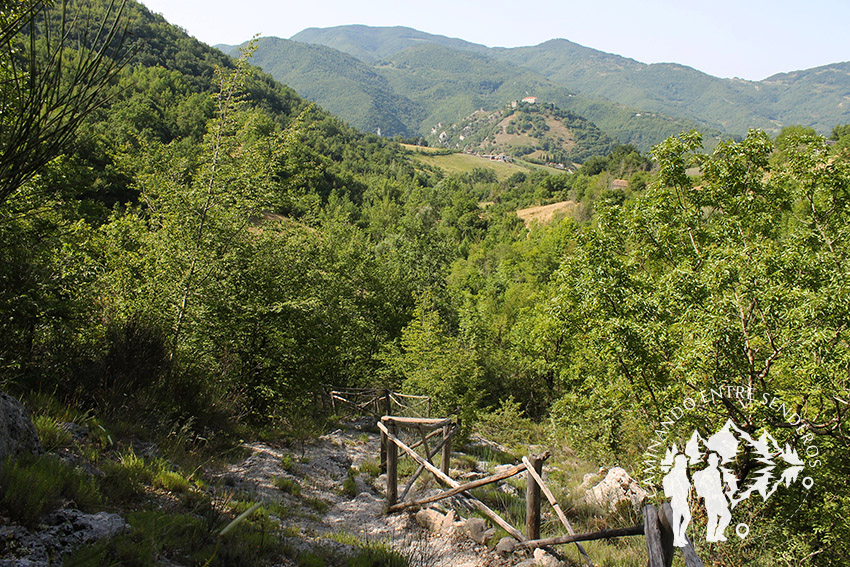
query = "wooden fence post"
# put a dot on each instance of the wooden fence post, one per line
(388, 403)
(690, 554)
(659, 545)
(666, 536)
(386, 396)
(384, 441)
(446, 455)
(532, 499)
(392, 465)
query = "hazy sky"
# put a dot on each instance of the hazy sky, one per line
(752, 39)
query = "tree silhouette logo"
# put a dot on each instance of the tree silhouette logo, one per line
(714, 481)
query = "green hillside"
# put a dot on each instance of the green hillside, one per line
(541, 133)
(371, 44)
(452, 84)
(427, 87)
(340, 83)
(813, 97)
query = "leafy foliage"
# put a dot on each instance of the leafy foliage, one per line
(215, 252)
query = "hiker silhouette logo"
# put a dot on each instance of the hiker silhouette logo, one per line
(710, 463)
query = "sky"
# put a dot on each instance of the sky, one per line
(750, 39)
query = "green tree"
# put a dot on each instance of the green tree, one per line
(731, 280)
(433, 362)
(48, 83)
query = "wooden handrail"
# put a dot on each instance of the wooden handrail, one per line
(448, 480)
(428, 422)
(513, 471)
(602, 534)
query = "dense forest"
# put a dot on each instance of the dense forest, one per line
(193, 253)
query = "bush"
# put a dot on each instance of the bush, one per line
(287, 462)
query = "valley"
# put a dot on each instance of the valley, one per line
(203, 258)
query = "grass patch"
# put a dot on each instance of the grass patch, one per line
(377, 554)
(34, 487)
(368, 553)
(287, 485)
(317, 504)
(513, 506)
(172, 481)
(406, 467)
(371, 467)
(349, 485)
(191, 538)
(465, 462)
(51, 434)
(126, 479)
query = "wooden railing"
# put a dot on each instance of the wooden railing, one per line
(377, 402)
(656, 525)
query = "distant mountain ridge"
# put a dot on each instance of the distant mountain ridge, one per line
(429, 85)
(372, 44)
(818, 97)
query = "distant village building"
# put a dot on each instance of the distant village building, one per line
(530, 99)
(619, 184)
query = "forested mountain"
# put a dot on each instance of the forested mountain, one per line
(817, 98)
(539, 132)
(372, 44)
(342, 84)
(814, 97)
(444, 85)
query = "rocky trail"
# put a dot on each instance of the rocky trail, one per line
(326, 494)
(321, 467)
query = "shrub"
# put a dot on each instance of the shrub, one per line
(287, 462)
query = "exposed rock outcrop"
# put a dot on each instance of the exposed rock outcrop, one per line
(615, 488)
(66, 531)
(17, 432)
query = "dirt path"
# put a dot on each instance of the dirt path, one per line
(321, 513)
